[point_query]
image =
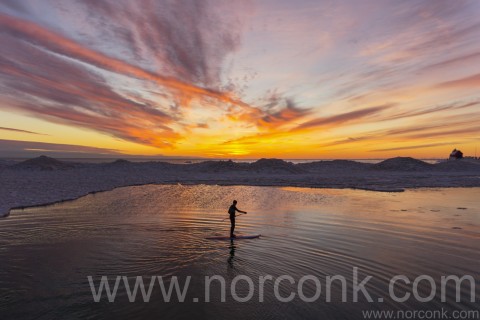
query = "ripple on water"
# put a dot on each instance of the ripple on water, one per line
(47, 252)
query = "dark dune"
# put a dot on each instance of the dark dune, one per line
(334, 165)
(44, 163)
(215, 166)
(120, 163)
(265, 166)
(274, 166)
(459, 165)
(5, 163)
(403, 164)
(269, 166)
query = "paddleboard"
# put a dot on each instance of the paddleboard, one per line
(238, 237)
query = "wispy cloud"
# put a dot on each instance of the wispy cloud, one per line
(21, 131)
(348, 140)
(274, 112)
(431, 110)
(467, 82)
(471, 131)
(17, 148)
(422, 146)
(456, 61)
(352, 116)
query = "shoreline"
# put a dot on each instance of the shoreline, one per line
(45, 181)
(195, 184)
(221, 185)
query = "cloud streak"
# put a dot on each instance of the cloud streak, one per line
(423, 146)
(346, 117)
(17, 148)
(21, 131)
(467, 82)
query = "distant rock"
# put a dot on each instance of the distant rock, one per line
(403, 164)
(44, 163)
(274, 166)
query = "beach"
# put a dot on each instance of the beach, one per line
(154, 223)
(45, 180)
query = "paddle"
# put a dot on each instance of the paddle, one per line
(241, 214)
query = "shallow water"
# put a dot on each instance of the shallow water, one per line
(46, 253)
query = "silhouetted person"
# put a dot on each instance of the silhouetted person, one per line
(231, 212)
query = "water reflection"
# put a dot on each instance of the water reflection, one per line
(231, 258)
(47, 253)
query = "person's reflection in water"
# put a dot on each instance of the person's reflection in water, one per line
(232, 253)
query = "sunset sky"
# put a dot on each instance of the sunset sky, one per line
(239, 79)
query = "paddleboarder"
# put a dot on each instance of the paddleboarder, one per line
(231, 211)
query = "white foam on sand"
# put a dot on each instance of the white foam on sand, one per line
(45, 180)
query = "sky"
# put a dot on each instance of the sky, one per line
(239, 79)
